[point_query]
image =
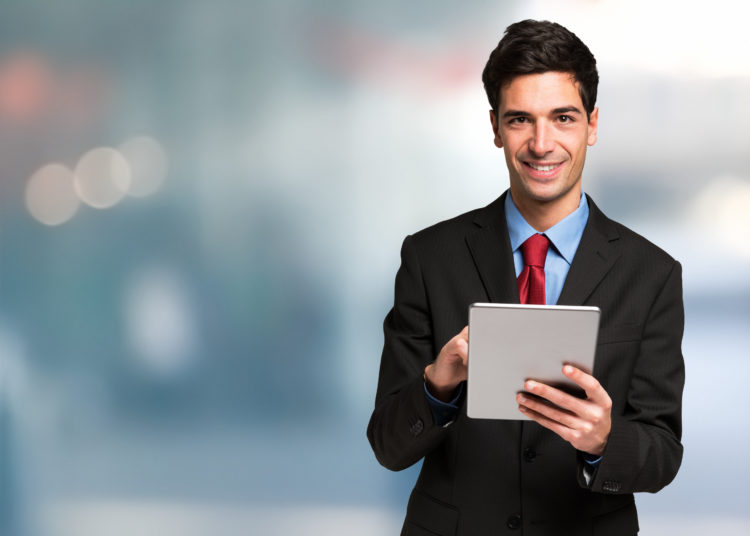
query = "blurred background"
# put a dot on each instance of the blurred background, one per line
(201, 210)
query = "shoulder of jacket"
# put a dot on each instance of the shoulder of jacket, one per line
(445, 238)
(637, 244)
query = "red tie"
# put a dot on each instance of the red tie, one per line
(531, 279)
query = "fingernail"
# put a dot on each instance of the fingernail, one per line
(530, 386)
(521, 398)
(567, 369)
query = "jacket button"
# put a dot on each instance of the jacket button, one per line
(416, 428)
(514, 522)
(529, 454)
(612, 486)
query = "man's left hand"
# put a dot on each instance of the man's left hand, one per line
(584, 423)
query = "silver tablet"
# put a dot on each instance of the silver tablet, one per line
(509, 344)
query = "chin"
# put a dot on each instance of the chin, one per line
(546, 193)
(547, 189)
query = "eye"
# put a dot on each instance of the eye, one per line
(565, 119)
(518, 120)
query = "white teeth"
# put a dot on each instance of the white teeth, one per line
(542, 168)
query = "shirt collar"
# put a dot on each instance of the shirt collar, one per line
(565, 235)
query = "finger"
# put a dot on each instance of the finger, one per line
(454, 350)
(464, 334)
(460, 343)
(452, 343)
(553, 413)
(462, 350)
(557, 397)
(560, 429)
(594, 390)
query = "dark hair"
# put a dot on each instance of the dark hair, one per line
(533, 47)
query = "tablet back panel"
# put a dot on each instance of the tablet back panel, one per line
(509, 344)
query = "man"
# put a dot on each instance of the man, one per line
(574, 467)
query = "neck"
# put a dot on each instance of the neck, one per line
(542, 215)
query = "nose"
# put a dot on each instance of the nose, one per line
(541, 141)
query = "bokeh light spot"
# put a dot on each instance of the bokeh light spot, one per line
(102, 177)
(148, 164)
(25, 86)
(50, 196)
(159, 320)
(722, 206)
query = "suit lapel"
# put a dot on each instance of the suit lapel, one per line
(596, 254)
(490, 249)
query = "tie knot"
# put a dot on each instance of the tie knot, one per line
(535, 250)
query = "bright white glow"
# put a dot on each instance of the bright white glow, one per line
(102, 177)
(50, 197)
(159, 321)
(667, 37)
(722, 208)
(148, 164)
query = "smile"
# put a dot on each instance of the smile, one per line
(543, 171)
(543, 167)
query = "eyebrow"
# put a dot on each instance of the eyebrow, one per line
(516, 113)
(561, 110)
(566, 110)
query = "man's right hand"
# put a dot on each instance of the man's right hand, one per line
(449, 368)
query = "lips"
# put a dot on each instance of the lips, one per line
(539, 167)
(542, 170)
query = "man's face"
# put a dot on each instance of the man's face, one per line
(543, 129)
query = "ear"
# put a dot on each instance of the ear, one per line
(495, 130)
(593, 125)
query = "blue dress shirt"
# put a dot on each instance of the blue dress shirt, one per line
(564, 238)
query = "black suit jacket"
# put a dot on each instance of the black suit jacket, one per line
(496, 477)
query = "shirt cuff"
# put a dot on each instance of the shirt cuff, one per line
(592, 462)
(444, 413)
(591, 459)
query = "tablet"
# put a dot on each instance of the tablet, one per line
(509, 344)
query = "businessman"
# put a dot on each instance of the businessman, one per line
(572, 468)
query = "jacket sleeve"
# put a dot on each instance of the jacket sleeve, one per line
(402, 429)
(644, 450)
